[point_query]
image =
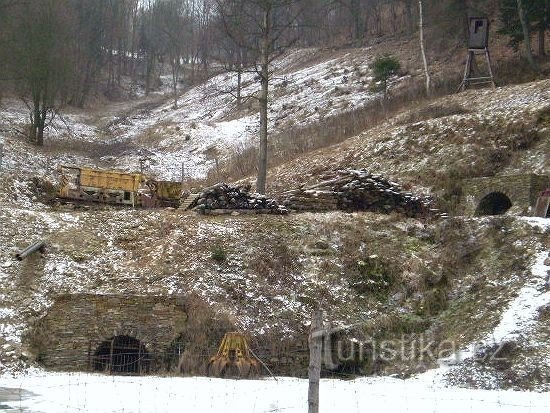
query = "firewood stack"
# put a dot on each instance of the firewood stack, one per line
(356, 190)
(222, 198)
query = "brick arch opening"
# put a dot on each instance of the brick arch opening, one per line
(495, 203)
(122, 355)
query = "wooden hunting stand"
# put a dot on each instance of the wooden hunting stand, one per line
(478, 44)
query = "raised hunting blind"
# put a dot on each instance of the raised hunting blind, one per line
(478, 44)
(478, 33)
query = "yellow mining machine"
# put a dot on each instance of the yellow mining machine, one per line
(116, 187)
(234, 359)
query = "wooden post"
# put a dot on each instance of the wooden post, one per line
(315, 352)
(139, 359)
(111, 357)
(488, 58)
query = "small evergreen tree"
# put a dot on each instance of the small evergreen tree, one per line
(383, 68)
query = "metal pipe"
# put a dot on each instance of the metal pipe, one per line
(37, 246)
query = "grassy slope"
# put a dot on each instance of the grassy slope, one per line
(450, 279)
(476, 133)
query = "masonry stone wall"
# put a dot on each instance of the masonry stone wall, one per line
(74, 327)
(67, 337)
(522, 190)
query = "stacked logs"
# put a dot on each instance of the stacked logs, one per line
(356, 190)
(223, 198)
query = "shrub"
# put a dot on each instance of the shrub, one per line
(218, 253)
(276, 263)
(371, 275)
(383, 68)
(543, 117)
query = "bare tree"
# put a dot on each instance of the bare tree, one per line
(173, 31)
(526, 36)
(422, 47)
(270, 24)
(41, 59)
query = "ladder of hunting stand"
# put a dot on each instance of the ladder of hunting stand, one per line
(468, 79)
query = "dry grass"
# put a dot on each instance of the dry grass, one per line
(290, 144)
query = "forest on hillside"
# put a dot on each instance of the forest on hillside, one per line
(64, 52)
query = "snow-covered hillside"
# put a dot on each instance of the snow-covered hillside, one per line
(478, 283)
(307, 85)
(475, 133)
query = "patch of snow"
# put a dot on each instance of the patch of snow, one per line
(519, 318)
(50, 392)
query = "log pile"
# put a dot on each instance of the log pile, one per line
(356, 190)
(223, 198)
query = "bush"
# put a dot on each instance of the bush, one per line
(371, 275)
(218, 253)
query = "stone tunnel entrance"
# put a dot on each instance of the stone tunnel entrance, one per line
(122, 355)
(496, 203)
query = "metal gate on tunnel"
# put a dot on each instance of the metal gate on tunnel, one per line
(121, 355)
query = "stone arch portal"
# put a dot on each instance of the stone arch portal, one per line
(121, 355)
(495, 203)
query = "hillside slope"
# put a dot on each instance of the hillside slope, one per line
(471, 134)
(478, 283)
(307, 85)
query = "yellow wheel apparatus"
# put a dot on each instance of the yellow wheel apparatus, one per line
(233, 359)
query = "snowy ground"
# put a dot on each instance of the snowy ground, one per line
(56, 393)
(464, 134)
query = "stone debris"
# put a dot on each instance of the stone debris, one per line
(356, 190)
(226, 199)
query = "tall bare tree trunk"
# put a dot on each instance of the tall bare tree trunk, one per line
(409, 11)
(526, 36)
(264, 74)
(355, 8)
(175, 73)
(542, 43)
(239, 75)
(422, 48)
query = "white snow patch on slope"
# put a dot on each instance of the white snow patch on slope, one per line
(519, 318)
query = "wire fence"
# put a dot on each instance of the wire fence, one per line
(84, 392)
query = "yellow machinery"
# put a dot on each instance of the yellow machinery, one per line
(116, 187)
(166, 193)
(233, 359)
(112, 187)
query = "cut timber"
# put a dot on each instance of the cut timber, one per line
(356, 190)
(235, 199)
